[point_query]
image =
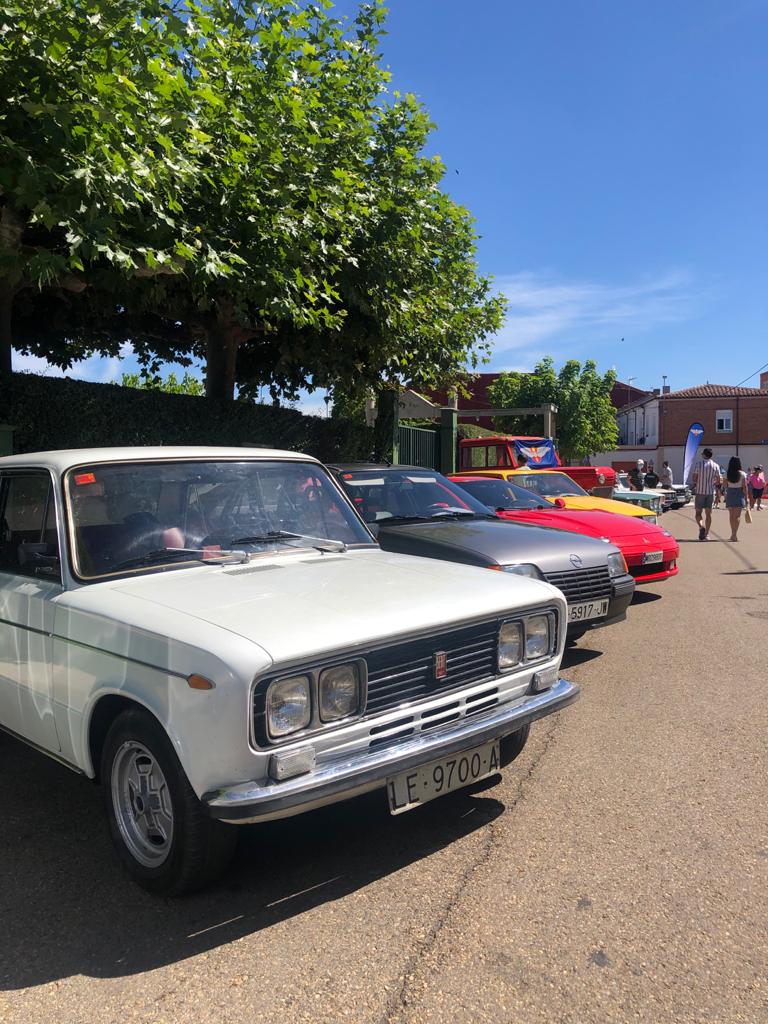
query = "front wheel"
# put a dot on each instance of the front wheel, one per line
(512, 745)
(162, 836)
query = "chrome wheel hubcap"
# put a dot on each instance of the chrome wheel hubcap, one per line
(142, 803)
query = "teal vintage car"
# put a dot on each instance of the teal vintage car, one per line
(656, 500)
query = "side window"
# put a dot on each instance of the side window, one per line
(28, 538)
(478, 457)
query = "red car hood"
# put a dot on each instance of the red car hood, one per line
(617, 528)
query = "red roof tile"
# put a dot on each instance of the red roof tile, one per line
(716, 391)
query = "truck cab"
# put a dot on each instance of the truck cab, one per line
(513, 451)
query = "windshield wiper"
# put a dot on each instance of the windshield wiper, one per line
(159, 555)
(453, 513)
(320, 543)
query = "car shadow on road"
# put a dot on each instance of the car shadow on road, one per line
(645, 597)
(578, 656)
(67, 908)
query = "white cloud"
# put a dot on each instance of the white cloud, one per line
(543, 309)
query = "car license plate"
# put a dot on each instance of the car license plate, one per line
(411, 789)
(653, 556)
(587, 610)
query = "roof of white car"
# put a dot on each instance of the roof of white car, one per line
(64, 460)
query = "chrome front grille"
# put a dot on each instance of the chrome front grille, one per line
(405, 672)
(424, 721)
(582, 584)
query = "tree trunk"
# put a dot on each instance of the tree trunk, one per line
(6, 335)
(221, 344)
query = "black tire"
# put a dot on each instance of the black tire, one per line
(573, 636)
(512, 745)
(199, 847)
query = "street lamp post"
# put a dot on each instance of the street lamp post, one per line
(629, 400)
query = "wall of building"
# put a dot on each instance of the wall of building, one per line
(749, 419)
(639, 425)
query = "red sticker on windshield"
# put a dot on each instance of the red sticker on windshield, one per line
(85, 478)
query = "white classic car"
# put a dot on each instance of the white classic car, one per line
(215, 636)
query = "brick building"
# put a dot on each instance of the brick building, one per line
(655, 428)
(478, 384)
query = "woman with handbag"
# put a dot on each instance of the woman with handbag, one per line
(735, 493)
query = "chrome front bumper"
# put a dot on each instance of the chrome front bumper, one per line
(263, 800)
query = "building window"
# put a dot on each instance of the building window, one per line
(724, 421)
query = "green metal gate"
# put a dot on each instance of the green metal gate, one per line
(418, 446)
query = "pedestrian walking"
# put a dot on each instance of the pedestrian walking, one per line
(666, 477)
(706, 478)
(735, 493)
(757, 488)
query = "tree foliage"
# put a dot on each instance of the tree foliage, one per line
(227, 180)
(171, 385)
(586, 419)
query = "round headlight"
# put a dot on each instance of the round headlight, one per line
(537, 636)
(601, 478)
(339, 692)
(289, 706)
(510, 644)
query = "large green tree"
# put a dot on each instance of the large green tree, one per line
(586, 419)
(229, 180)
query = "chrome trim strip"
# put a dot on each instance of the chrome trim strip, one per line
(91, 647)
(252, 801)
(42, 750)
(21, 625)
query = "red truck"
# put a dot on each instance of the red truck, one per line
(501, 451)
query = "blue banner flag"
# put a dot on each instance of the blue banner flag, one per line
(539, 451)
(695, 434)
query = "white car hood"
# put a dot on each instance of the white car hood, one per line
(300, 605)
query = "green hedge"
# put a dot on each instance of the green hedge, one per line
(51, 413)
(472, 430)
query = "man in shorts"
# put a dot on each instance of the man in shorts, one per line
(706, 478)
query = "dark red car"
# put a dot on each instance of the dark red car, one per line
(651, 553)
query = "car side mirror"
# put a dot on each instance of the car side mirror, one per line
(560, 502)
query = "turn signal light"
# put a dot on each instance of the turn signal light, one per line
(195, 682)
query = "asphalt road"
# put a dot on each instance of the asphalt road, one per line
(618, 872)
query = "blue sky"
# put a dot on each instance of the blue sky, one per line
(615, 157)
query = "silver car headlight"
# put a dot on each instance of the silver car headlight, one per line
(601, 478)
(289, 706)
(537, 636)
(524, 569)
(616, 564)
(339, 692)
(510, 644)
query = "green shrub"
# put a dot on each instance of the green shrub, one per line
(53, 413)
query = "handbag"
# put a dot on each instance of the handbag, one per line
(748, 516)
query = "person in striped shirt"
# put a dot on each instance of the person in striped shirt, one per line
(706, 478)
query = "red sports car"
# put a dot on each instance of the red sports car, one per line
(651, 553)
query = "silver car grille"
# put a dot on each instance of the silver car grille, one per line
(582, 584)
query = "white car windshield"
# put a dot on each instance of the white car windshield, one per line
(131, 516)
